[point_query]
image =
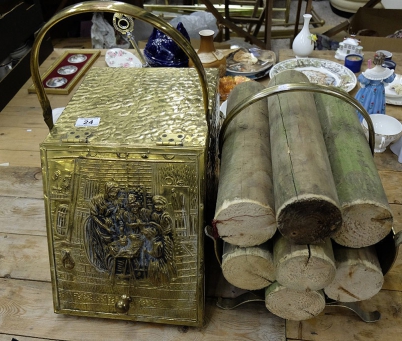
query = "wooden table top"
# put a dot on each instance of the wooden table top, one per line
(25, 288)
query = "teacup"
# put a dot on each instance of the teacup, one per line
(386, 128)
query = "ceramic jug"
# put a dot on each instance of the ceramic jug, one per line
(209, 56)
(303, 45)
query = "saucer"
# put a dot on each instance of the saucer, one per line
(117, 57)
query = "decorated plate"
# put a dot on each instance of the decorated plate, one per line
(67, 70)
(394, 89)
(319, 71)
(250, 61)
(56, 82)
(77, 58)
(120, 58)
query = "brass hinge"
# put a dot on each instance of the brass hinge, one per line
(170, 140)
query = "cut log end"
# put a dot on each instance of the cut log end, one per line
(355, 283)
(358, 275)
(248, 268)
(363, 225)
(306, 273)
(303, 267)
(309, 220)
(245, 223)
(293, 305)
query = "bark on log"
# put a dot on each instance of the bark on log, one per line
(293, 305)
(306, 202)
(249, 268)
(303, 267)
(358, 275)
(367, 217)
(244, 212)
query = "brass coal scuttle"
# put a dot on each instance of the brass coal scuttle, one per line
(126, 200)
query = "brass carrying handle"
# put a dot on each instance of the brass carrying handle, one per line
(293, 87)
(112, 7)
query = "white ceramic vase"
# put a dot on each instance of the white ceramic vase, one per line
(303, 45)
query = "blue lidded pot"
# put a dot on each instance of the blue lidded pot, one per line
(354, 62)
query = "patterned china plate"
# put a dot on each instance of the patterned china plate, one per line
(120, 58)
(319, 71)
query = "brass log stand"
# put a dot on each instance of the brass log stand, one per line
(387, 249)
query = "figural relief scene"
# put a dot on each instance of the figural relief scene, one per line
(125, 227)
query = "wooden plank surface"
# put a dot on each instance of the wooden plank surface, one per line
(341, 324)
(24, 257)
(22, 216)
(21, 182)
(391, 182)
(26, 308)
(19, 158)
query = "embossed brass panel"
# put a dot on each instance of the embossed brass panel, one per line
(126, 200)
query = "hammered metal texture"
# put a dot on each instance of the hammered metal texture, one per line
(137, 106)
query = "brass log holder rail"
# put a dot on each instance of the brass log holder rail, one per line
(387, 249)
(116, 8)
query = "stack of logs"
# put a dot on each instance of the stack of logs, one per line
(300, 203)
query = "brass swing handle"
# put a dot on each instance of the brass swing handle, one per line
(292, 87)
(112, 7)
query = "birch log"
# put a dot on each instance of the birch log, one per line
(303, 267)
(293, 305)
(306, 202)
(367, 217)
(249, 268)
(244, 212)
(358, 274)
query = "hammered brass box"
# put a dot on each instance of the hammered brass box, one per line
(127, 170)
